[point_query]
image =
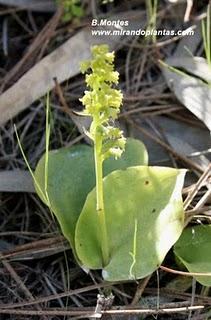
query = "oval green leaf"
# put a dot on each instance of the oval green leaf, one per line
(193, 250)
(144, 218)
(71, 176)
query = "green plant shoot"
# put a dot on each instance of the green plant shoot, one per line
(72, 9)
(206, 25)
(102, 102)
(151, 6)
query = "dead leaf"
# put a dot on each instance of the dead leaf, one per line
(189, 89)
(16, 181)
(194, 65)
(183, 138)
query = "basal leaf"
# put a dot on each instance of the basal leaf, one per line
(193, 250)
(144, 218)
(71, 177)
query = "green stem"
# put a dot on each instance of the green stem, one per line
(100, 199)
(208, 36)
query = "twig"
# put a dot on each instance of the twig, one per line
(176, 294)
(197, 187)
(140, 289)
(142, 97)
(166, 146)
(206, 210)
(188, 10)
(203, 200)
(37, 248)
(162, 110)
(17, 279)
(62, 99)
(32, 50)
(91, 314)
(73, 115)
(193, 293)
(58, 296)
(20, 283)
(189, 274)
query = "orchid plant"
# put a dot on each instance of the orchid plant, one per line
(119, 214)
